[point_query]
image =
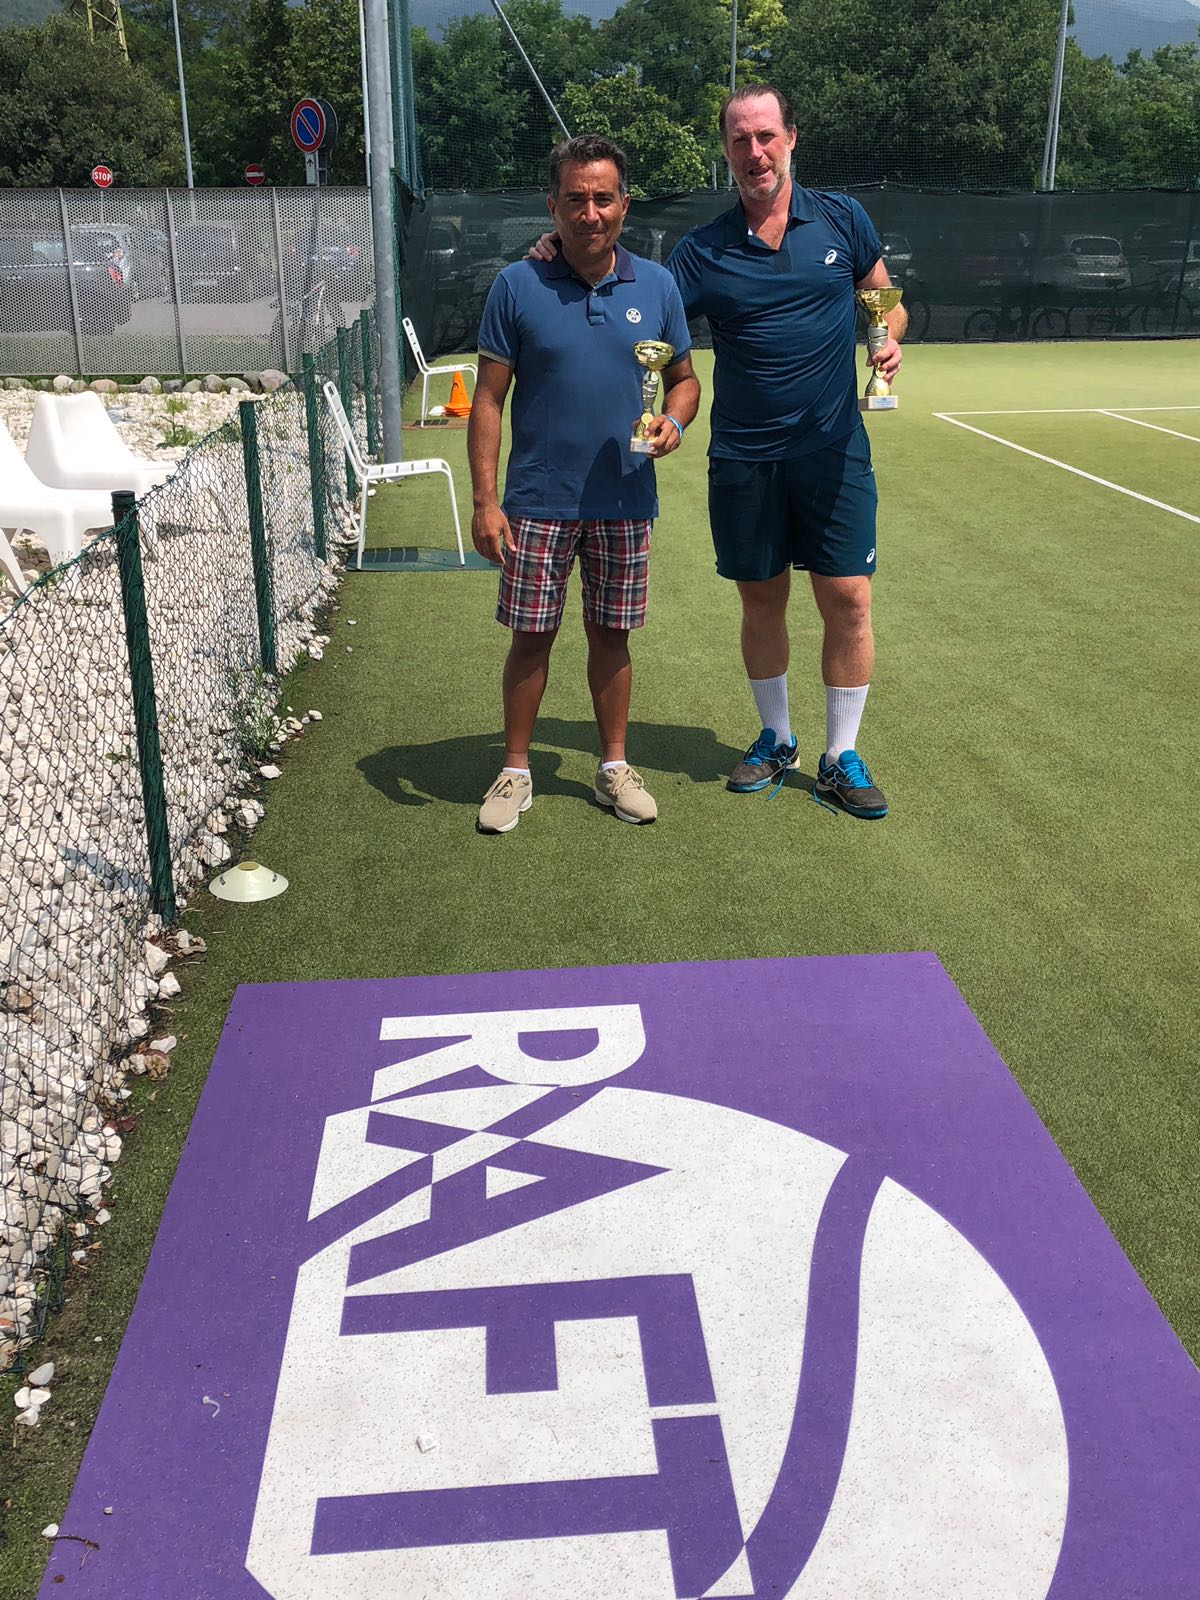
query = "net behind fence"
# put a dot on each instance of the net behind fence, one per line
(138, 699)
(972, 266)
(137, 281)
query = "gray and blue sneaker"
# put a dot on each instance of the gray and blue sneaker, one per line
(766, 761)
(848, 781)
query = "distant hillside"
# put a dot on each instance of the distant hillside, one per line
(1115, 27)
(21, 13)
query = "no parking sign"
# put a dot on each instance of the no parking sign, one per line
(314, 128)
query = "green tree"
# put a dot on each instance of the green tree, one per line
(664, 156)
(69, 102)
(950, 93)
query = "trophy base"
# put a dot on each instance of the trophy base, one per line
(879, 402)
(641, 447)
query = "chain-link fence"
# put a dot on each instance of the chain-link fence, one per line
(138, 700)
(129, 282)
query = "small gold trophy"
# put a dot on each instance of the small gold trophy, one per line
(877, 303)
(654, 355)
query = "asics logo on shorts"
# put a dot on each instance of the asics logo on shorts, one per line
(831, 258)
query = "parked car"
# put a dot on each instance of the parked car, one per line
(338, 252)
(218, 263)
(1172, 255)
(898, 259)
(999, 262)
(1086, 261)
(142, 255)
(35, 285)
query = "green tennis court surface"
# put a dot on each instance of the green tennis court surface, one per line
(1032, 720)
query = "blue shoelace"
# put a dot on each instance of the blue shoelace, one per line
(852, 767)
(761, 752)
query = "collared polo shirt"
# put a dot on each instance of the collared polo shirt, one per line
(783, 323)
(577, 385)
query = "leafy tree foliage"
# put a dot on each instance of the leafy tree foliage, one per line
(68, 103)
(662, 155)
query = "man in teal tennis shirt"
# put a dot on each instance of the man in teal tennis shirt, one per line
(790, 479)
(563, 332)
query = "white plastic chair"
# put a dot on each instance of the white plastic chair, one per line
(74, 445)
(428, 372)
(368, 473)
(62, 518)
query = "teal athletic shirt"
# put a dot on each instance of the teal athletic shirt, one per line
(783, 323)
(577, 388)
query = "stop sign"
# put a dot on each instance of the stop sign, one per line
(255, 174)
(102, 176)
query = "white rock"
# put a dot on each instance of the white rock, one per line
(315, 716)
(426, 1442)
(168, 986)
(50, 1531)
(102, 1217)
(21, 1398)
(166, 1044)
(29, 1417)
(38, 1397)
(270, 771)
(156, 958)
(41, 1376)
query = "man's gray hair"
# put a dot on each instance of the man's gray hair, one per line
(582, 151)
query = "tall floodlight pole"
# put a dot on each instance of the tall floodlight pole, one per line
(362, 55)
(387, 319)
(733, 51)
(1050, 149)
(532, 73)
(187, 141)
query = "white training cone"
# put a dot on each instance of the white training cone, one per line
(248, 881)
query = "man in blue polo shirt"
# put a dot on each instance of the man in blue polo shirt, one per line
(790, 477)
(563, 332)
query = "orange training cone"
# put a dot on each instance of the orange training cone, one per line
(458, 405)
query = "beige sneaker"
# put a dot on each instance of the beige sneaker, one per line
(504, 802)
(621, 789)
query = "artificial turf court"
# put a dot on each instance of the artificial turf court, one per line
(1031, 719)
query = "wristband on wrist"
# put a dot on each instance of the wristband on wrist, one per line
(675, 420)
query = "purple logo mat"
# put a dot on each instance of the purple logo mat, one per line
(699, 1282)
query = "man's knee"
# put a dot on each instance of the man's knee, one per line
(530, 647)
(844, 603)
(613, 641)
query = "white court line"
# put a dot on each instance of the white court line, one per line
(1060, 411)
(1157, 426)
(1160, 505)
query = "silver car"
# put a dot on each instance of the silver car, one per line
(1089, 261)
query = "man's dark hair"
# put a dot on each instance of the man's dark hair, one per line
(582, 150)
(751, 91)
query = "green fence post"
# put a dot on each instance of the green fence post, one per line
(316, 453)
(346, 390)
(247, 411)
(368, 375)
(145, 704)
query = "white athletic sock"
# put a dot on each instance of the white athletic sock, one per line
(607, 766)
(516, 772)
(771, 701)
(843, 713)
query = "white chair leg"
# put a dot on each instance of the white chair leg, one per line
(424, 397)
(462, 560)
(362, 523)
(9, 562)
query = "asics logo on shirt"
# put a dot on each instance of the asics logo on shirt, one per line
(830, 258)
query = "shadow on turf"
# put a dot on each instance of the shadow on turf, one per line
(459, 770)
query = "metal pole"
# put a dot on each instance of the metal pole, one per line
(145, 703)
(398, 149)
(175, 284)
(362, 54)
(408, 100)
(383, 231)
(733, 52)
(187, 141)
(316, 454)
(264, 599)
(283, 305)
(566, 132)
(1050, 148)
(72, 293)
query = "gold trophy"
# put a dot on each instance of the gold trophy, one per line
(877, 303)
(654, 355)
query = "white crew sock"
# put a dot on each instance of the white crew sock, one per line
(843, 713)
(771, 700)
(609, 766)
(516, 772)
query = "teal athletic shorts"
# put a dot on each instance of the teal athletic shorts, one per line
(813, 512)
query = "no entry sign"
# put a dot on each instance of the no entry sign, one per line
(102, 176)
(254, 174)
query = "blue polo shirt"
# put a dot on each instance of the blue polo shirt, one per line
(782, 323)
(577, 385)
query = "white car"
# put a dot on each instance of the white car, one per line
(1094, 261)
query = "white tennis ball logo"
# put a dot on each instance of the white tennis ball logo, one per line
(875, 1413)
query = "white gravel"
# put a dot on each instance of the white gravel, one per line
(148, 424)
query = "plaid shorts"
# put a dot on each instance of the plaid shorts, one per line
(614, 561)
